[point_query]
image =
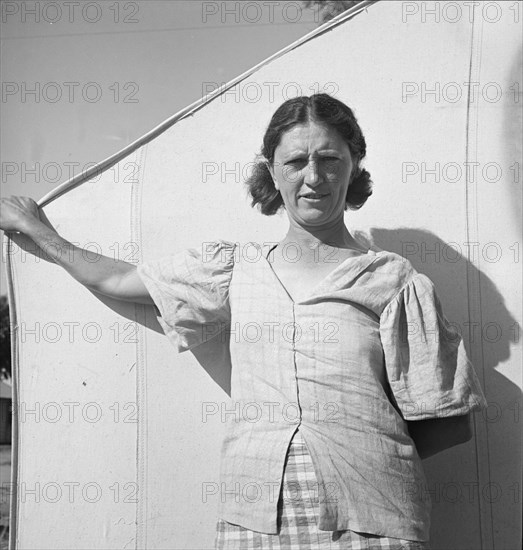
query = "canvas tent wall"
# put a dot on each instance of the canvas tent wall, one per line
(439, 105)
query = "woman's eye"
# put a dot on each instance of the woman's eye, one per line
(296, 162)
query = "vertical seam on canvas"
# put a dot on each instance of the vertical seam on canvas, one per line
(141, 382)
(15, 393)
(474, 273)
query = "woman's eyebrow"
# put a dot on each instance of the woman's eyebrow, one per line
(304, 155)
(294, 152)
(326, 149)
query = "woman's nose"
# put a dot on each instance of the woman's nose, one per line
(311, 173)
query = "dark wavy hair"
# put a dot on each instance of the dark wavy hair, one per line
(319, 108)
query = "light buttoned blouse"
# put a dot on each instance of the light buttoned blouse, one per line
(368, 349)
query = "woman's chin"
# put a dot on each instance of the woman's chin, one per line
(311, 215)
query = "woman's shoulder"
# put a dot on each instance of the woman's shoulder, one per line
(216, 251)
(385, 262)
(390, 272)
(392, 262)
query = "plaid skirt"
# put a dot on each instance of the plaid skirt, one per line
(298, 512)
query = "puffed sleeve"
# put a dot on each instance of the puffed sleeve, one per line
(425, 360)
(190, 290)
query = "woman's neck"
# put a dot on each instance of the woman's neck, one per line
(311, 238)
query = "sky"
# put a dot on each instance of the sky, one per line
(81, 80)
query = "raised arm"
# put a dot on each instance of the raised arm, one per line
(114, 278)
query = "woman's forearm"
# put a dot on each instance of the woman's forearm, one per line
(99, 273)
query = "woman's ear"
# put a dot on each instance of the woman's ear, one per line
(355, 170)
(271, 171)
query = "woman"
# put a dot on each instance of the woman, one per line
(344, 402)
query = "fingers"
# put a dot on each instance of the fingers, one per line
(15, 211)
(29, 203)
(24, 202)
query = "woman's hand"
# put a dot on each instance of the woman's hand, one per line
(18, 214)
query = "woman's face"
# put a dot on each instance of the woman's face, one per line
(311, 169)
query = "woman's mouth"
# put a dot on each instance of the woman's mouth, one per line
(314, 196)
